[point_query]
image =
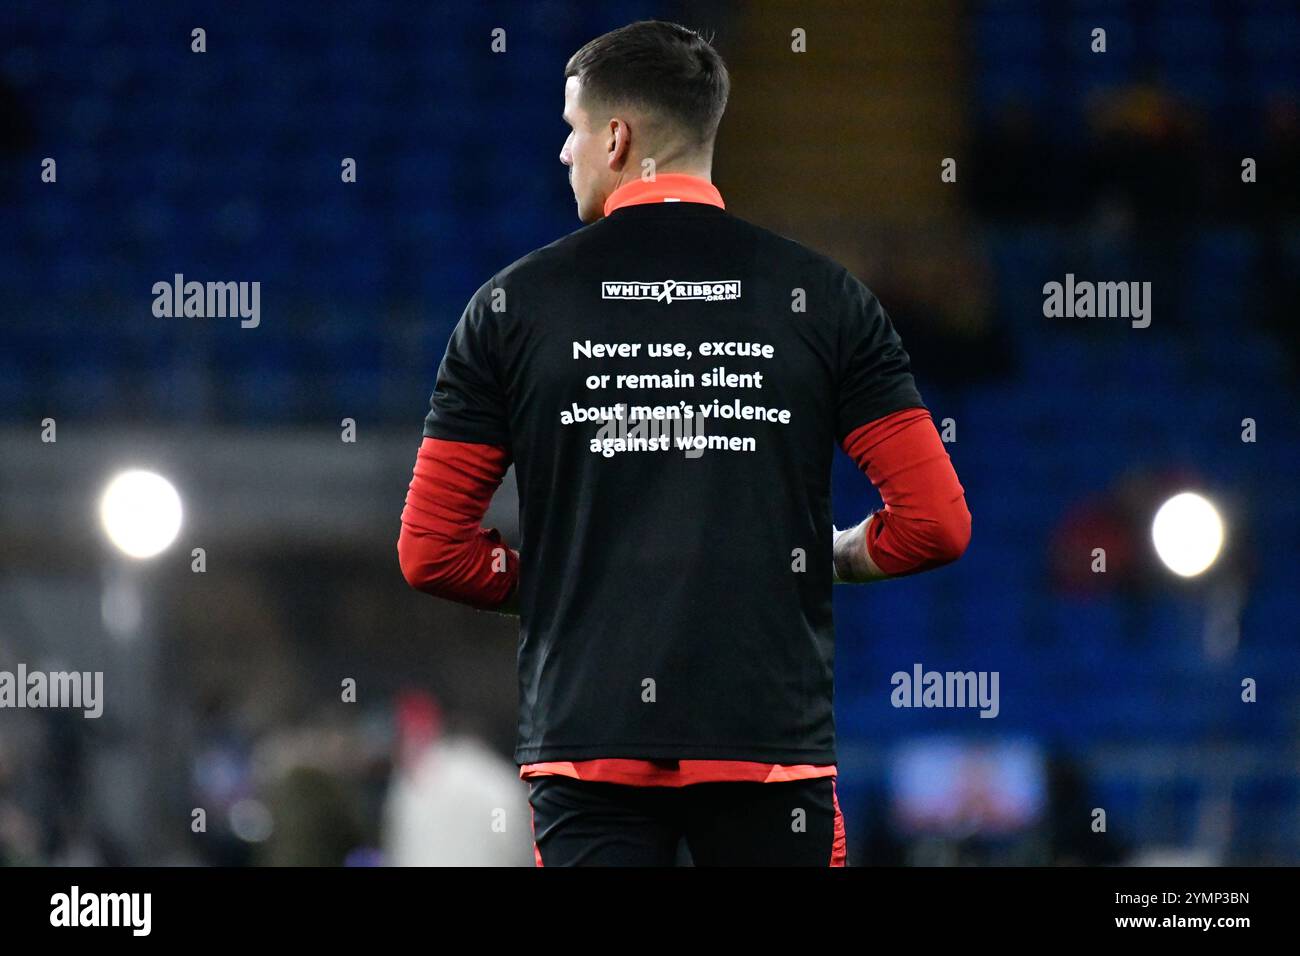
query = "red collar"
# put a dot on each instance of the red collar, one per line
(665, 187)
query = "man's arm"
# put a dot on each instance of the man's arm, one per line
(442, 548)
(852, 562)
(925, 522)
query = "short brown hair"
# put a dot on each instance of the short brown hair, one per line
(664, 67)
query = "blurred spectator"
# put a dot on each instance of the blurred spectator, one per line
(937, 289)
(1016, 172)
(1070, 835)
(453, 800)
(1118, 521)
(315, 779)
(1273, 203)
(1279, 160)
(316, 821)
(1144, 154)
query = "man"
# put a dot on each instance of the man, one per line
(669, 382)
(445, 786)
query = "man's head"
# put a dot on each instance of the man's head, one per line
(649, 90)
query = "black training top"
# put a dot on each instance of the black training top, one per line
(671, 382)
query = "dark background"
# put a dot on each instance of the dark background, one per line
(1122, 690)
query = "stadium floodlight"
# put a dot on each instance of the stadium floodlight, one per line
(141, 513)
(1188, 534)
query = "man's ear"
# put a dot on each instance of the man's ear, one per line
(619, 144)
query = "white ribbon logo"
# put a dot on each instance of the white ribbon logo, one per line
(666, 295)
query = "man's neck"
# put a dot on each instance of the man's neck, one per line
(633, 171)
(664, 186)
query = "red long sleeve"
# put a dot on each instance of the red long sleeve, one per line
(441, 548)
(925, 522)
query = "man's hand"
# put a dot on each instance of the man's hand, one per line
(851, 562)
